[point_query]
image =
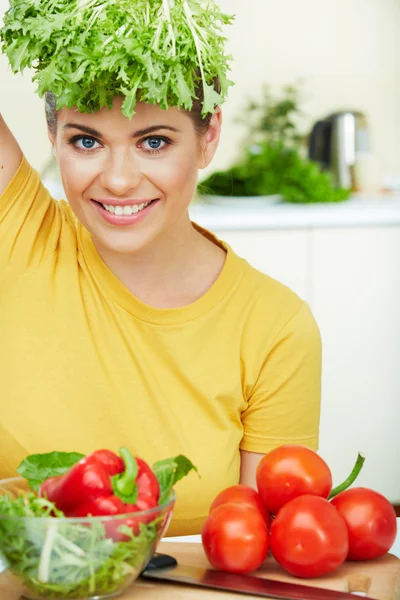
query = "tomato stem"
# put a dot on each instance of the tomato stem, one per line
(351, 478)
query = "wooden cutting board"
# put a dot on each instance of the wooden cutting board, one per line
(379, 579)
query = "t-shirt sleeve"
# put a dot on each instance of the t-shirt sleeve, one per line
(284, 404)
(30, 221)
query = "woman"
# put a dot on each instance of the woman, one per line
(124, 323)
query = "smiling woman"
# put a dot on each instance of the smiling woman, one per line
(124, 323)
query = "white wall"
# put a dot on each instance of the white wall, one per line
(346, 51)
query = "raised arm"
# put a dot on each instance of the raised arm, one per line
(30, 220)
(10, 156)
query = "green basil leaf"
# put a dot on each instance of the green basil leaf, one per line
(36, 468)
(169, 471)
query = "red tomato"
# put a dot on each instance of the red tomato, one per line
(308, 537)
(291, 471)
(235, 538)
(244, 495)
(371, 521)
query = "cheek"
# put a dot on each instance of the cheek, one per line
(177, 175)
(76, 175)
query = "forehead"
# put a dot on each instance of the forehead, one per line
(112, 120)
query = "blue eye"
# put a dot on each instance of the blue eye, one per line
(87, 143)
(155, 144)
(84, 143)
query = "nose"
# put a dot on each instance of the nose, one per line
(121, 173)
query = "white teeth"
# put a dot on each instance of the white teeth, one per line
(125, 210)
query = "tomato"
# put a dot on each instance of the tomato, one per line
(371, 522)
(244, 495)
(290, 471)
(235, 538)
(309, 537)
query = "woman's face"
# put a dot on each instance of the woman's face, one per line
(131, 181)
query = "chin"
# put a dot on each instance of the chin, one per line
(124, 243)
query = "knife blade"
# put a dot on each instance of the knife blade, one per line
(163, 567)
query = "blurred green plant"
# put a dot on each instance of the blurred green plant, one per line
(272, 162)
(274, 119)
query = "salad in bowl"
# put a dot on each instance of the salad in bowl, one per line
(84, 527)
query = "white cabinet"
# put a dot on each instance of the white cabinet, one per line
(351, 279)
(356, 301)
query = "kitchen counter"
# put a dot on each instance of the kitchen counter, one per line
(360, 210)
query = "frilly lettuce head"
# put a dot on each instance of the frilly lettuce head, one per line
(88, 51)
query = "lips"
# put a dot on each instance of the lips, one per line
(124, 213)
(128, 202)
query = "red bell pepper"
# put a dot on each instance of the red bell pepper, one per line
(148, 488)
(111, 461)
(86, 480)
(90, 488)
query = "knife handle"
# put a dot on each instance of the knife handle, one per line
(161, 561)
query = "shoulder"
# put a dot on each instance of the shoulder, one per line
(262, 290)
(28, 186)
(265, 287)
(272, 309)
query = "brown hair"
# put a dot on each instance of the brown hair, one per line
(200, 123)
(51, 112)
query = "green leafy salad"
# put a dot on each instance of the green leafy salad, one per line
(88, 51)
(58, 557)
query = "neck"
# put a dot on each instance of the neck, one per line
(164, 274)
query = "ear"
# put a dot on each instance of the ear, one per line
(210, 140)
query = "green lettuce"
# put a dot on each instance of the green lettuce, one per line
(69, 559)
(88, 51)
(169, 472)
(36, 468)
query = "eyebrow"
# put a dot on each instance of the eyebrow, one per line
(138, 133)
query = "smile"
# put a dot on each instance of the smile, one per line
(125, 210)
(124, 214)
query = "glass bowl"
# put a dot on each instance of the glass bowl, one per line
(88, 558)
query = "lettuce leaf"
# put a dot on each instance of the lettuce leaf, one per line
(169, 471)
(36, 468)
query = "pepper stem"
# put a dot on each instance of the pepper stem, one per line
(351, 478)
(124, 484)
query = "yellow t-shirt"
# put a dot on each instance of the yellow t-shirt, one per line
(85, 365)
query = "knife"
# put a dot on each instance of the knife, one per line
(165, 568)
